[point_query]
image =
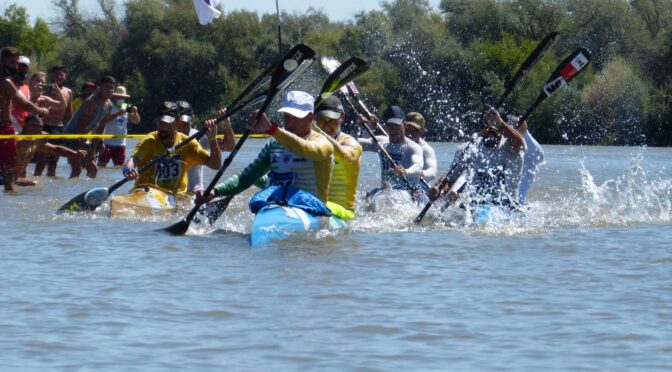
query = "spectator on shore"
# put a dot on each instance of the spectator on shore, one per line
(88, 88)
(115, 148)
(53, 123)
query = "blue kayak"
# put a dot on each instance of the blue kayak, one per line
(275, 222)
(495, 215)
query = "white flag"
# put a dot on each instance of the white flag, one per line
(206, 10)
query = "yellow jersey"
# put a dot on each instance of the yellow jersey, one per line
(169, 173)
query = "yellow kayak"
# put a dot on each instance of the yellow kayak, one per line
(149, 201)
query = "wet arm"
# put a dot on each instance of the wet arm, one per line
(248, 176)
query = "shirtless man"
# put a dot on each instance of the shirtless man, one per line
(53, 123)
(26, 149)
(9, 59)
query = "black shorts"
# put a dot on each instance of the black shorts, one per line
(53, 130)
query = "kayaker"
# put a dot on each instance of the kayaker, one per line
(9, 58)
(184, 126)
(296, 155)
(491, 167)
(347, 157)
(532, 160)
(406, 153)
(170, 173)
(415, 129)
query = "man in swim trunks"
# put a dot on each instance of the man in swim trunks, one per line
(91, 118)
(171, 172)
(53, 123)
(347, 157)
(295, 156)
(9, 58)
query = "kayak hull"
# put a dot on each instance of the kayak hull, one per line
(274, 223)
(148, 202)
(495, 215)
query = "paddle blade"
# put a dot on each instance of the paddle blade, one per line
(178, 228)
(567, 70)
(213, 210)
(85, 202)
(534, 57)
(287, 70)
(345, 73)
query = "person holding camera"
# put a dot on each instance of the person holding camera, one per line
(115, 148)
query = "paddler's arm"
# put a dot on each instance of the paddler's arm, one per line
(10, 91)
(430, 167)
(247, 177)
(349, 151)
(513, 137)
(215, 156)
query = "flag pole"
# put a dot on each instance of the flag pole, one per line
(277, 11)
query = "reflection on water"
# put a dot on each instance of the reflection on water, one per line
(584, 283)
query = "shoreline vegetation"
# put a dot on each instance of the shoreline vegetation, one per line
(445, 64)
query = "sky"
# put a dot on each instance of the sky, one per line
(337, 10)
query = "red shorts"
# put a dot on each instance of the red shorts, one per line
(116, 153)
(7, 147)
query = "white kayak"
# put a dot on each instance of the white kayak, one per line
(274, 222)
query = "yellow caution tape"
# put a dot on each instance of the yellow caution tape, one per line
(93, 136)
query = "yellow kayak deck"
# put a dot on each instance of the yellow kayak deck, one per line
(149, 201)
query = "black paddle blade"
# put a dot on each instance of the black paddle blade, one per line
(77, 204)
(534, 57)
(567, 70)
(345, 73)
(288, 69)
(178, 228)
(213, 210)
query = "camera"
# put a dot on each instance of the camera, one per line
(45, 87)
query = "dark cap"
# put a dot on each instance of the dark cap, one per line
(415, 119)
(186, 113)
(393, 115)
(331, 107)
(88, 84)
(168, 112)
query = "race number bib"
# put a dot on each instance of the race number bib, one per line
(169, 172)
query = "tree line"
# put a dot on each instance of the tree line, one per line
(445, 64)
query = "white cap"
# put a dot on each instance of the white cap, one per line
(298, 104)
(23, 60)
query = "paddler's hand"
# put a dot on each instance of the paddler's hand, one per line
(398, 170)
(434, 193)
(130, 173)
(202, 199)
(212, 130)
(258, 126)
(492, 116)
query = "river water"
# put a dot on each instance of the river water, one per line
(584, 284)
